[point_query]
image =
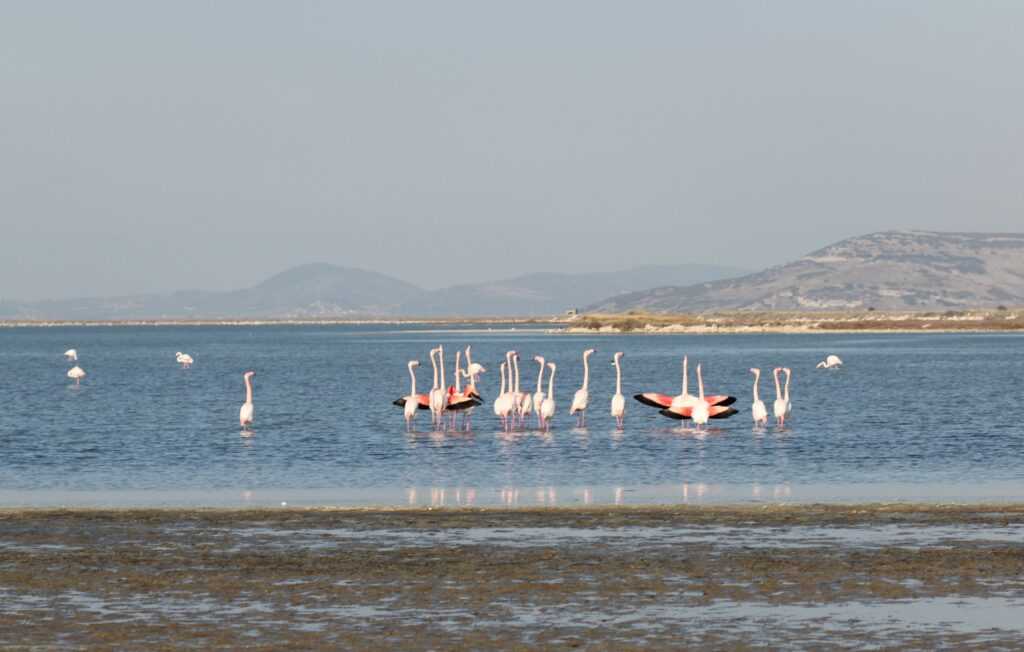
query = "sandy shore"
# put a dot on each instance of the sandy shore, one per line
(919, 576)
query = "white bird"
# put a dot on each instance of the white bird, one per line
(246, 413)
(76, 374)
(701, 410)
(184, 359)
(618, 401)
(757, 409)
(473, 369)
(71, 355)
(582, 396)
(524, 402)
(436, 396)
(538, 396)
(412, 401)
(503, 402)
(781, 406)
(547, 408)
(831, 362)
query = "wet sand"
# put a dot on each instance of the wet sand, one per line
(825, 576)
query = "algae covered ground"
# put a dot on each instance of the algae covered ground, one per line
(594, 578)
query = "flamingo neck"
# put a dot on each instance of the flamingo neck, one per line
(618, 377)
(515, 362)
(786, 396)
(700, 384)
(248, 389)
(757, 379)
(508, 369)
(586, 371)
(458, 367)
(551, 385)
(686, 377)
(412, 376)
(433, 363)
(502, 380)
(540, 378)
(440, 358)
(778, 389)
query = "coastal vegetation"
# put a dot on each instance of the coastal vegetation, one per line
(742, 321)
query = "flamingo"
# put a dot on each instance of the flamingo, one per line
(524, 402)
(412, 400)
(71, 355)
(457, 400)
(436, 396)
(538, 396)
(547, 408)
(831, 362)
(701, 410)
(681, 404)
(184, 359)
(502, 404)
(757, 409)
(686, 403)
(582, 396)
(781, 407)
(618, 401)
(76, 374)
(245, 414)
(473, 369)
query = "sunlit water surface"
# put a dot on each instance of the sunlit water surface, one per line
(909, 417)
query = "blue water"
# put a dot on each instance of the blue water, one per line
(908, 417)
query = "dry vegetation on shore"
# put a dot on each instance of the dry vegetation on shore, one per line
(750, 321)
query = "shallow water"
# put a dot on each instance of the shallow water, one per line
(910, 417)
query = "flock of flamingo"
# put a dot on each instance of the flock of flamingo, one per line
(514, 407)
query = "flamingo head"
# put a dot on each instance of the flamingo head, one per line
(589, 352)
(414, 363)
(249, 374)
(551, 365)
(539, 358)
(755, 371)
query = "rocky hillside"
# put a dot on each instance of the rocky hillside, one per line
(893, 270)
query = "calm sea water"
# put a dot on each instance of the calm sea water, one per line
(921, 417)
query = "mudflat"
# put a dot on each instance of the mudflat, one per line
(732, 577)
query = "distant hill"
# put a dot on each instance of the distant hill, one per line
(316, 290)
(895, 270)
(550, 293)
(323, 290)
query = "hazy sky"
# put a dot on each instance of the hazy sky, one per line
(156, 146)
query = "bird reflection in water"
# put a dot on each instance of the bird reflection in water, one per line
(546, 496)
(782, 491)
(695, 490)
(510, 496)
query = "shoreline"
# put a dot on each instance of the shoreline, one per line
(724, 577)
(97, 323)
(752, 514)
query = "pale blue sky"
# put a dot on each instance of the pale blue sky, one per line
(158, 146)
